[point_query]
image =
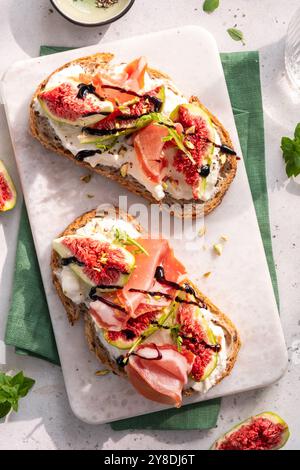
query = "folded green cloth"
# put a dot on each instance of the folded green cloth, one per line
(29, 326)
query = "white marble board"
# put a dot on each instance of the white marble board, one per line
(240, 283)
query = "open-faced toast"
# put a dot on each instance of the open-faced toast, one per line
(174, 319)
(193, 170)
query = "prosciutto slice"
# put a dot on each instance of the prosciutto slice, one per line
(142, 277)
(107, 317)
(160, 373)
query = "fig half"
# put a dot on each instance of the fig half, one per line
(8, 194)
(266, 431)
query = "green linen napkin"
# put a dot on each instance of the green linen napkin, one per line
(29, 326)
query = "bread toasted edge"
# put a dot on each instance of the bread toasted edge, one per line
(228, 170)
(74, 311)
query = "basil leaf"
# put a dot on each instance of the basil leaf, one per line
(297, 131)
(4, 379)
(210, 5)
(17, 379)
(291, 153)
(236, 34)
(4, 409)
(26, 386)
(287, 145)
(12, 389)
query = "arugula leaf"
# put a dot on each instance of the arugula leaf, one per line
(152, 329)
(291, 153)
(210, 5)
(179, 142)
(122, 237)
(236, 34)
(11, 390)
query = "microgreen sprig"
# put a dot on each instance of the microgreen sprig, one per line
(123, 238)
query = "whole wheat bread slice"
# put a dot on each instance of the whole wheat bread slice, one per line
(96, 346)
(42, 130)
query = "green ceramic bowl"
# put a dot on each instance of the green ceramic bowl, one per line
(86, 13)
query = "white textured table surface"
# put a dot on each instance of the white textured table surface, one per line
(45, 420)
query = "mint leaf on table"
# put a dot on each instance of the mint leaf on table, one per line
(210, 5)
(236, 34)
(291, 153)
(12, 388)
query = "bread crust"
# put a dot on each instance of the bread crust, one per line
(197, 208)
(74, 311)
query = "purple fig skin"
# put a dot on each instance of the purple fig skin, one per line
(273, 417)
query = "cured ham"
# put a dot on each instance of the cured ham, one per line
(142, 277)
(160, 373)
(133, 297)
(148, 146)
(107, 317)
(131, 78)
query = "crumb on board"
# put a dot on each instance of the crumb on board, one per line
(207, 274)
(86, 178)
(218, 248)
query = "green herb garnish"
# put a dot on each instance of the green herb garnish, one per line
(175, 336)
(236, 34)
(210, 5)
(151, 329)
(179, 142)
(11, 390)
(123, 238)
(291, 153)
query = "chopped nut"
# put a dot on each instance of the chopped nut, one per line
(218, 248)
(122, 151)
(189, 144)
(191, 130)
(124, 170)
(224, 238)
(207, 274)
(100, 373)
(202, 231)
(86, 178)
(173, 182)
(223, 159)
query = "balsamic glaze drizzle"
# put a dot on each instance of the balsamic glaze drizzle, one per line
(71, 260)
(102, 132)
(160, 277)
(158, 357)
(85, 154)
(105, 301)
(84, 90)
(213, 347)
(153, 99)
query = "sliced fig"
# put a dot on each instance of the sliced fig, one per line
(135, 327)
(198, 338)
(64, 104)
(266, 431)
(97, 262)
(199, 136)
(128, 118)
(8, 194)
